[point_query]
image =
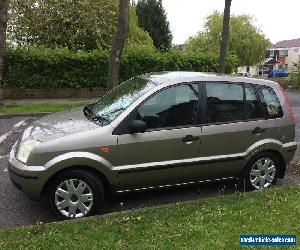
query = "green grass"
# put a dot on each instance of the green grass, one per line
(212, 223)
(38, 107)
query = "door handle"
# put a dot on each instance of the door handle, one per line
(190, 138)
(258, 130)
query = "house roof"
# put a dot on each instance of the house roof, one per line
(287, 44)
(269, 61)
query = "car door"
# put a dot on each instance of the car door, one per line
(233, 122)
(161, 155)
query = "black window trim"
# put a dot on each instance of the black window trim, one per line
(120, 129)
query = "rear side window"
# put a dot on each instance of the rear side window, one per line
(252, 106)
(225, 102)
(270, 102)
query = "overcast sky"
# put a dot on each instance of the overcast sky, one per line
(279, 20)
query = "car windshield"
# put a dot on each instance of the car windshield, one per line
(111, 105)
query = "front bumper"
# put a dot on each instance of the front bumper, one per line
(30, 180)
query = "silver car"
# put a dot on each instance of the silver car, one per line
(156, 130)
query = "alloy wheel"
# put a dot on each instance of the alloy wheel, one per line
(262, 173)
(74, 198)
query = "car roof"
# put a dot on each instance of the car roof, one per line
(174, 77)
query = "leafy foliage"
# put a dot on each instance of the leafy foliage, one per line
(137, 37)
(153, 19)
(37, 67)
(247, 41)
(75, 24)
(293, 81)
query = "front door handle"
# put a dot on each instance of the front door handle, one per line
(190, 138)
(258, 130)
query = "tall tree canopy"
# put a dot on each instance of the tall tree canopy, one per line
(75, 24)
(246, 40)
(153, 19)
(137, 37)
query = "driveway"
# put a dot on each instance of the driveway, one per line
(17, 210)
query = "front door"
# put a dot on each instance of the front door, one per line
(162, 154)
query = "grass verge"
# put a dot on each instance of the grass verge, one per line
(213, 223)
(38, 107)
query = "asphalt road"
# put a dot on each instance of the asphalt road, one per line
(16, 210)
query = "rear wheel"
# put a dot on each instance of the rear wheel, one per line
(76, 194)
(260, 172)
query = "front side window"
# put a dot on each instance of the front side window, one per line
(225, 102)
(270, 102)
(172, 107)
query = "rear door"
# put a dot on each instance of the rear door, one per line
(161, 155)
(233, 122)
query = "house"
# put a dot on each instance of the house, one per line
(282, 55)
(287, 52)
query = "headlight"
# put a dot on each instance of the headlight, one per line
(25, 148)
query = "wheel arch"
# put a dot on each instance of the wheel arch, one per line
(277, 153)
(108, 186)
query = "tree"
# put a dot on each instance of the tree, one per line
(75, 24)
(137, 39)
(3, 25)
(246, 41)
(225, 36)
(153, 19)
(118, 45)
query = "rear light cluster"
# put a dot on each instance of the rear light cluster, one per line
(293, 118)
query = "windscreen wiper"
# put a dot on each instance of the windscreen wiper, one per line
(98, 118)
(114, 111)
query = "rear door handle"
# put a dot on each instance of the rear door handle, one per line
(190, 138)
(258, 130)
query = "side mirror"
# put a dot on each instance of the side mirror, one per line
(137, 126)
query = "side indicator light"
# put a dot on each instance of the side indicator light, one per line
(104, 150)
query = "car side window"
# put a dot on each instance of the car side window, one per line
(171, 107)
(225, 102)
(252, 106)
(270, 102)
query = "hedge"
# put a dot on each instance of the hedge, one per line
(47, 68)
(290, 82)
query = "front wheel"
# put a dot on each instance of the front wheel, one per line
(260, 172)
(76, 194)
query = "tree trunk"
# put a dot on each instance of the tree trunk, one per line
(118, 45)
(3, 25)
(225, 37)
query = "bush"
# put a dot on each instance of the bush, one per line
(60, 68)
(291, 82)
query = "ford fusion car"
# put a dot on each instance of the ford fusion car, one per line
(152, 131)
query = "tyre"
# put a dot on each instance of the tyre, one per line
(76, 194)
(260, 172)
